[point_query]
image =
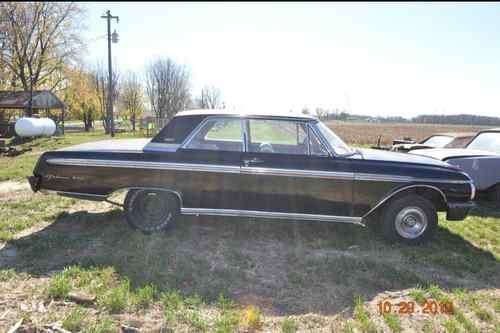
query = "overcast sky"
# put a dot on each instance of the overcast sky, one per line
(376, 59)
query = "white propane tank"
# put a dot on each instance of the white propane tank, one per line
(27, 127)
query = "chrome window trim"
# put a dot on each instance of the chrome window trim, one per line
(392, 194)
(195, 131)
(272, 215)
(247, 133)
(322, 139)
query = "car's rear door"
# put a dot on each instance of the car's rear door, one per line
(286, 169)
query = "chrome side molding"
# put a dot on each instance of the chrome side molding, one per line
(272, 215)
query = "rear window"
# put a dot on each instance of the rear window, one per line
(177, 130)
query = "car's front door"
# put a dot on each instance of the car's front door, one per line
(210, 160)
(286, 169)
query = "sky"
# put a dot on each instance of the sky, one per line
(381, 59)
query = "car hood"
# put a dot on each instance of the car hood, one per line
(125, 145)
(444, 154)
(382, 155)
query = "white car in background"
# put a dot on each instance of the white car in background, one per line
(480, 159)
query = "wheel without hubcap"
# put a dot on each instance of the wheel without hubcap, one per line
(151, 210)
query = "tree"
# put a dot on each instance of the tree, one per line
(167, 87)
(132, 98)
(210, 98)
(41, 37)
(80, 96)
(100, 78)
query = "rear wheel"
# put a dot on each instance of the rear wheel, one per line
(411, 219)
(151, 210)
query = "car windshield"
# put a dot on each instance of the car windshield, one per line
(489, 141)
(437, 141)
(335, 142)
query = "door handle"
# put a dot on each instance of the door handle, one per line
(254, 160)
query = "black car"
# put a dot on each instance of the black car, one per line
(283, 166)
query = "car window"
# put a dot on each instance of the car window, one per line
(438, 141)
(277, 136)
(177, 129)
(224, 134)
(335, 142)
(489, 141)
(315, 145)
(459, 142)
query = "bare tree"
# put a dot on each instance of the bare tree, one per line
(167, 87)
(132, 97)
(40, 38)
(100, 79)
(210, 98)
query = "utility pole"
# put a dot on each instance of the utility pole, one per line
(111, 38)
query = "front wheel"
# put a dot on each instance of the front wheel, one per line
(151, 210)
(411, 219)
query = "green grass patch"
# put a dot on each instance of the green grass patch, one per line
(146, 295)
(451, 326)
(59, 286)
(7, 274)
(38, 209)
(466, 323)
(393, 322)
(418, 294)
(117, 298)
(362, 317)
(289, 325)
(75, 321)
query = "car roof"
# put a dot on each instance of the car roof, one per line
(490, 130)
(455, 134)
(226, 112)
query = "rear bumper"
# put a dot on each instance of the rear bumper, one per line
(459, 211)
(34, 182)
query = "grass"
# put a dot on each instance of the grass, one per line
(75, 321)
(251, 318)
(38, 209)
(7, 274)
(116, 299)
(59, 286)
(289, 325)
(362, 317)
(451, 326)
(393, 322)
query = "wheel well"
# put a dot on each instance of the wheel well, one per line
(177, 194)
(434, 195)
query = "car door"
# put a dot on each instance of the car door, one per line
(211, 159)
(285, 168)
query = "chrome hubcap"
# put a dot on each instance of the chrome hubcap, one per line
(411, 222)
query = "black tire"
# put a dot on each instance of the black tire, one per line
(151, 210)
(494, 194)
(411, 219)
